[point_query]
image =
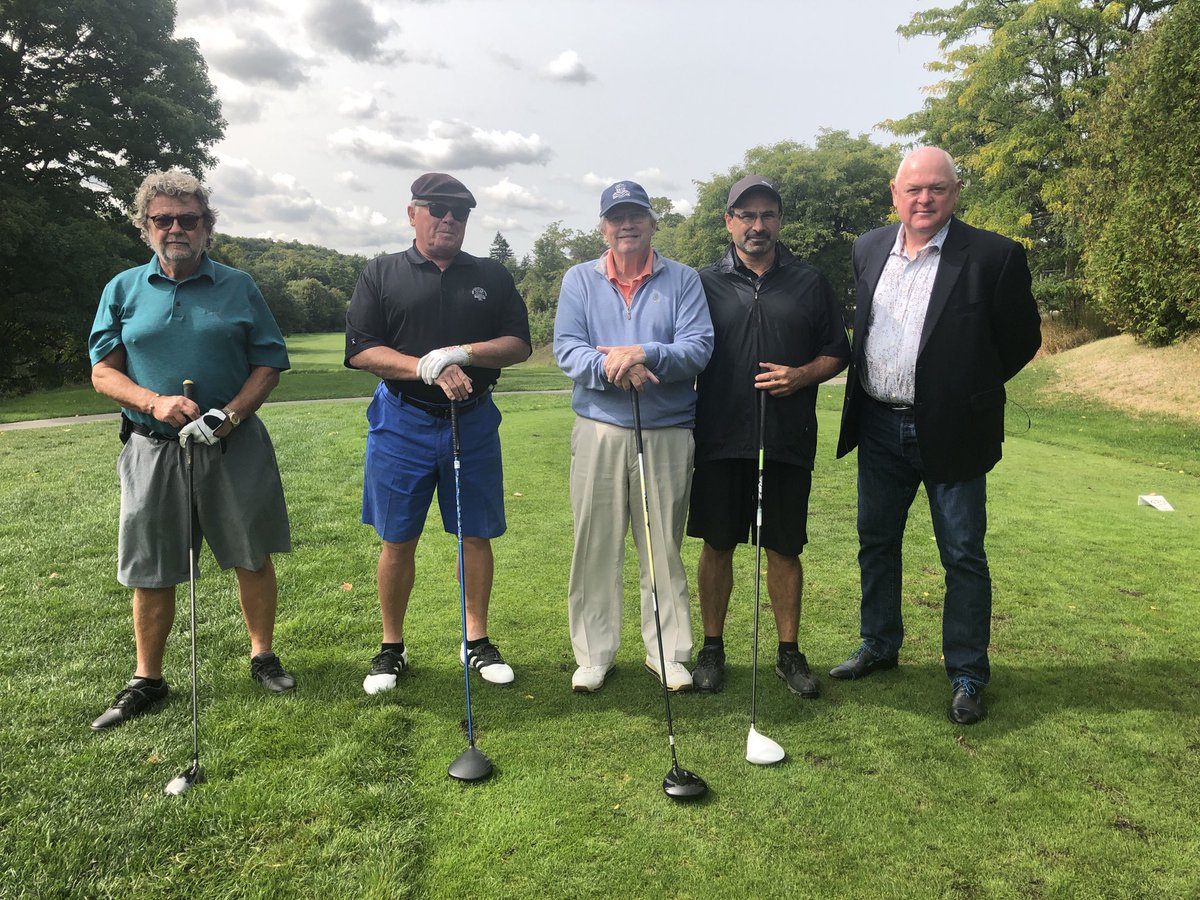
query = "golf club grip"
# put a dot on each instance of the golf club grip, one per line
(762, 420)
(637, 419)
(189, 387)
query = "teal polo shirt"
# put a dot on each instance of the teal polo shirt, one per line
(211, 327)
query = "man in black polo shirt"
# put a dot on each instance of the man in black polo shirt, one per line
(777, 330)
(435, 324)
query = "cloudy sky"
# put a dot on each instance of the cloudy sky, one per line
(335, 106)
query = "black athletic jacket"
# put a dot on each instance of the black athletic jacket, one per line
(790, 316)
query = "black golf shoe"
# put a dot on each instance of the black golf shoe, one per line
(386, 667)
(709, 674)
(487, 661)
(269, 672)
(135, 698)
(792, 667)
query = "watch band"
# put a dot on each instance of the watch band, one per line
(234, 418)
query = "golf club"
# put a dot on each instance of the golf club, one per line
(760, 749)
(471, 764)
(680, 784)
(183, 782)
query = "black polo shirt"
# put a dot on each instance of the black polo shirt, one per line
(789, 316)
(404, 301)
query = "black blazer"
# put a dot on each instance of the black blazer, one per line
(981, 328)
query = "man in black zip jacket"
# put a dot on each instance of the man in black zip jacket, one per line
(779, 333)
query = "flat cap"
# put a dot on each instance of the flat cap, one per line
(749, 183)
(443, 187)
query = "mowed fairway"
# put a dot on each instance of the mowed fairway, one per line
(1081, 783)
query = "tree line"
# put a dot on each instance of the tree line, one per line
(1073, 122)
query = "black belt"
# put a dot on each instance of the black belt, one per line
(894, 407)
(128, 427)
(438, 410)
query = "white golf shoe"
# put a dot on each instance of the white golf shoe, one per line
(589, 679)
(385, 668)
(678, 678)
(487, 661)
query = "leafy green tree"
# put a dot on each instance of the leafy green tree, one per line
(1019, 73)
(92, 97)
(832, 192)
(305, 286)
(289, 314)
(665, 210)
(555, 251)
(1132, 201)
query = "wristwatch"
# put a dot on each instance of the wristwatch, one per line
(234, 419)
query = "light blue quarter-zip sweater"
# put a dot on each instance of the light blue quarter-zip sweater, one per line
(668, 318)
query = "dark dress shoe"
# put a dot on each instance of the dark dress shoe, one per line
(966, 704)
(862, 664)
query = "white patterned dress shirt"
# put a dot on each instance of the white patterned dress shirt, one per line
(897, 316)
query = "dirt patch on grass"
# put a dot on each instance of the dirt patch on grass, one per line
(1124, 374)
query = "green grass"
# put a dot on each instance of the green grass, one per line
(1081, 782)
(317, 373)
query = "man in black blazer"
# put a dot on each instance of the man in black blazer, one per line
(945, 316)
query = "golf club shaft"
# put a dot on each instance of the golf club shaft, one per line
(662, 658)
(188, 387)
(462, 584)
(758, 519)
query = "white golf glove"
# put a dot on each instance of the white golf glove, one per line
(430, 366)
(204, 429)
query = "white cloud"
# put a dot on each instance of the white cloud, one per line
(256, 58)
(358, 104)
(248, 197)
(594, 182)
(192, 10)
(568, 67)
(351, 181)
(350, 28)
(654, 176)
(499, 223)
(241, 110)
(506, 193)
(508, 60)
(683, 206)
(446, 145)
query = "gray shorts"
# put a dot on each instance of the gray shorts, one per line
(239, 507)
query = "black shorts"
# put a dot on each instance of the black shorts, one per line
(725, 497)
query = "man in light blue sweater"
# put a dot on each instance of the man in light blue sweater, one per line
(630, 320)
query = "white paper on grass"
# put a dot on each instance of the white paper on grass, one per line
(1158, 501)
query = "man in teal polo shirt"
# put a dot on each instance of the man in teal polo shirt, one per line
(184, 317)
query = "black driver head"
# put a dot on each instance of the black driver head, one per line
(471, 765)
(680, 784)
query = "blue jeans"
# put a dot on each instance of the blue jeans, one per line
(889, 472)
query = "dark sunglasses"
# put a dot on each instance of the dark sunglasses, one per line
(439, 210)
(188, 221)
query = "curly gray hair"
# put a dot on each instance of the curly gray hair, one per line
(172, 183)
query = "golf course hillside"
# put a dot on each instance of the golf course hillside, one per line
(1121, 373)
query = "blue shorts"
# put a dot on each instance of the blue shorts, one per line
(410, 452)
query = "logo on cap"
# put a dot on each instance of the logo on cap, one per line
(479, 294)
(620, 191)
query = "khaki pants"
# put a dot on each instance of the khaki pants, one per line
(606, 498)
